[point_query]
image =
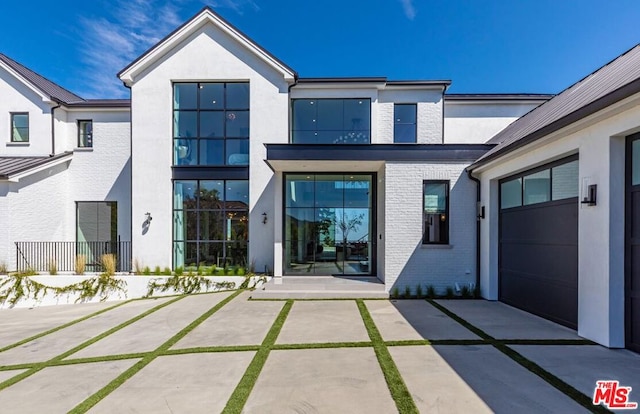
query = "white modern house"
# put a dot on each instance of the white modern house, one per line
(225, 155)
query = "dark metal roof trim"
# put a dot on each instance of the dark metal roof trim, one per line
(436, 82)
(225, 21)
(10, 166)
(376, 152)
(101, 103)
(54, 91)
(471, 97)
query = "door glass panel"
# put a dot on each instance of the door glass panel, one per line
(635, 162)
(300, 191)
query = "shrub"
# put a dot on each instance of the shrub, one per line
(200, 270)
(179, 271)
(137, 267)
(476, 291)
(407, 292)
(449, 293)
(395, 293)
(108, 264)
(53, 267)
(465, 292)
(81, 264)
(419, 291)
(157, 271)
(431, 292)
(3, 268)
(241, 271)
(166, 271)
(146, 271)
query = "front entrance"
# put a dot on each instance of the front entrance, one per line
(632, 253)
(329, 224)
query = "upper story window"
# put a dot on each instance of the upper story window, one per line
(85, 134)
(20, 127)
(211, 123)
(404, 123)
(331, 121)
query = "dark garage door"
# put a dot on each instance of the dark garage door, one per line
(632, 265)
(538, 256)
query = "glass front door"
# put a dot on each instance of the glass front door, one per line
(329, 224)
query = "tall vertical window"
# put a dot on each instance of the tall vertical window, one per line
(210, 222)
(19, 127)
(211, 123)
(85, 133)
(435, 212)
(331, 121)
(404, 123)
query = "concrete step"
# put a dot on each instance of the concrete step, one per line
(321, 287)
(318, 294)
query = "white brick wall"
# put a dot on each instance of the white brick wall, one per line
(429, 114)
(407, 261)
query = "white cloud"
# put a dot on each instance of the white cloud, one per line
(409, 9)
(110, 42)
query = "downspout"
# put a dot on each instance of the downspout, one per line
(478, 218)
(53, 129)
(130, 170)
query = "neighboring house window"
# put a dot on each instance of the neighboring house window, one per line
(211, 123)
(210, 222)
(19, 127)
(435, 212)
(404, 123)
(85, 134)
(331, 121)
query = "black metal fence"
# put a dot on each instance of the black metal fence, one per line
(39, 256)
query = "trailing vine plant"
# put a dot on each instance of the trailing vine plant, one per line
(186, 284)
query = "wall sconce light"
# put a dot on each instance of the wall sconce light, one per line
(589, 197)
(479, 211)
(148, 217)
(264, 218)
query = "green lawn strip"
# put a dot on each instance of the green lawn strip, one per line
(18, 366)
(66, 325)
(323, 345)
(212, 349)
(240, 395)
(556, 382)
(53, 361)
(399, 391)
(105, 358)
(149, 357)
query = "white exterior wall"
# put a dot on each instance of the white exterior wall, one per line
(406, 260)
(599, 140)
(478, 122)
(17, 97)
(207, 55)
(429, 114)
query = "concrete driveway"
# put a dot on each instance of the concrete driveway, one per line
(222, 352)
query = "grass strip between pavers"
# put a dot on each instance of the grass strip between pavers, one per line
(212, 349)
(553, 380)
(122, 378)
(397, 387)
(53, 361)
(66, 325)
(322, 345)
(240, 394)
(413, 342)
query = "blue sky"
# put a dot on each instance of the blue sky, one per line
(502, 46)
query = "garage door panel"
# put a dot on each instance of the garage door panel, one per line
(557, 223)
(557, 263)
(546, 298)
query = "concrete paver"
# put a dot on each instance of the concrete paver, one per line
(323, 321)
(505, 322)
(54, 344)
(503, 385)
(21, 323)
(5, 375)
(582, 365)
(59, 389)
(240, 322)
(194, 383)
(414, 319)
(342, 380)
(153, 330)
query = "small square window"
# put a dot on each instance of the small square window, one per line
(404, 123)
(19, 127)
(435, 212)
(85, 134)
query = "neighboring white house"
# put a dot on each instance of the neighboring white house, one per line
(224, 155)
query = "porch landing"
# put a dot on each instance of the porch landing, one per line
(321, 287)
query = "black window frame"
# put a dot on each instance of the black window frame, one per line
(447, 217)
(198, 138)
(396, 123)
(293, 130)
(80, 133)
(11, 123)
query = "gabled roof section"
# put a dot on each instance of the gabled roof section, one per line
(206, 15)
(47, 88)
(13, 167)
(612, 83)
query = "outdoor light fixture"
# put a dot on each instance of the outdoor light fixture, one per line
(479, 211)
(148, 217)
(589, 192)
(264, 218)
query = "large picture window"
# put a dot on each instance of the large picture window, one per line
(331, 121)
(211, 123)
(210, 222)
(435, 212)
